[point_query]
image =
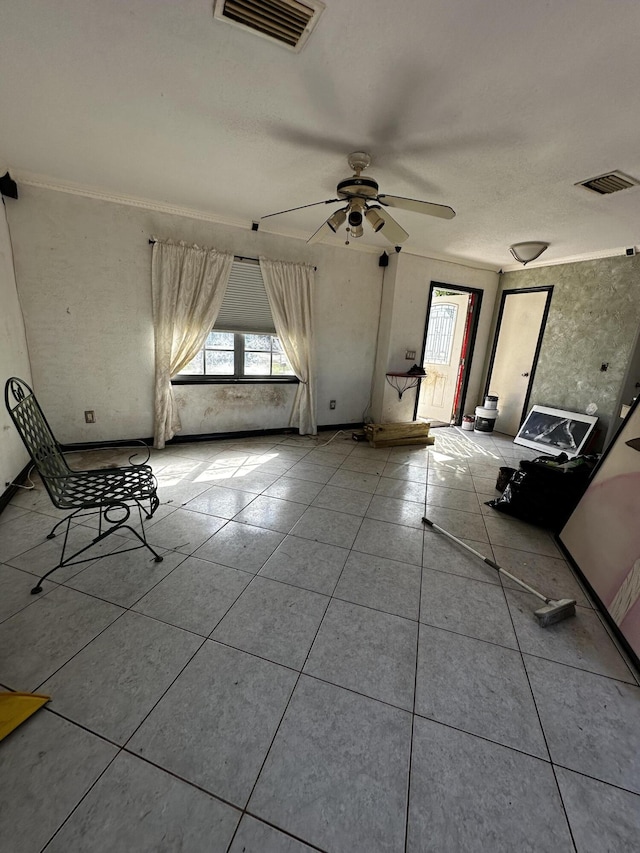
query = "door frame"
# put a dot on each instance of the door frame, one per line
(543, 325)
(440, 285)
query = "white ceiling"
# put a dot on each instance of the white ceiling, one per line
(495, 107)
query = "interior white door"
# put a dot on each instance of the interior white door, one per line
(513, 363)
(447, 317)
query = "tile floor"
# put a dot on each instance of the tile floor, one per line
(310, 669)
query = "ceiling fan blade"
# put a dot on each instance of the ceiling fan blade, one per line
(416, 206)
(411, 177)
(300, 138)
(323, 231)
(393, 232)
(302, 206)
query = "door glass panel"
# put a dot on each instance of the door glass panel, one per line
(442, 322)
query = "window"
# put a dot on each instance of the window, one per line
(235, 356)
(442, 322)
(243, 344)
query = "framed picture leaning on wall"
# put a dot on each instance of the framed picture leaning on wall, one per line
(555, 431)
(602, 535)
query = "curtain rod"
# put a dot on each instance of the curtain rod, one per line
(235, 257)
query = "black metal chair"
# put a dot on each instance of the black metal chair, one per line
(105, 492)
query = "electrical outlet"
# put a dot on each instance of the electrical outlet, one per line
(90, 417)
(332, 404)
(410, 355)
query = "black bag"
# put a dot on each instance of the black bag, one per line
(546, 490)
(504, 475)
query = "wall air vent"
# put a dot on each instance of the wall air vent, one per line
(612, 182)
(289, 22)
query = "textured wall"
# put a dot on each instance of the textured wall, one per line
(83, 268)
(405, 315)
(14, 357)
(594, 317)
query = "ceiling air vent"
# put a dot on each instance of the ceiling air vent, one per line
(288, 22)
(613, 182)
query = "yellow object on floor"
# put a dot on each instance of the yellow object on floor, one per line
(15, 708)
(390, 435)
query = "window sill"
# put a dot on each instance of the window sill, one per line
(227, 380)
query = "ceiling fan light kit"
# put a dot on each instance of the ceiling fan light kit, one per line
(529, 251)
(374, 219)
(336, 219)
(359, 192)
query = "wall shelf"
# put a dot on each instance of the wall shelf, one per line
(402, 382)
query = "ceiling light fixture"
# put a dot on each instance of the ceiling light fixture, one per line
(374, 219)
(524, 253)
(335, 221)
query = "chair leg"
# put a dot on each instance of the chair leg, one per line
(115, 526)
(143, 538)
(154, 503)
(67, 519)
(158, 557)
(38, 587)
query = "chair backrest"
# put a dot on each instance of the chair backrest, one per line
(36, 435)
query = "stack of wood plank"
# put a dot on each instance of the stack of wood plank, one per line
(388, 435)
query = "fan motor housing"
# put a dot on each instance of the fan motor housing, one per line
(358, 187)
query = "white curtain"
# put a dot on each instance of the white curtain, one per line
(290, 292)
(187, 285)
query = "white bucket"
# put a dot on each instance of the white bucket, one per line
(485, 419)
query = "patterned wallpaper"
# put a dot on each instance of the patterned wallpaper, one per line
(593, 319)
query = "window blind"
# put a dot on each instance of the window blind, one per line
(245, 307)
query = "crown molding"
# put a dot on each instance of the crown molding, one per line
(42, 182)
(32, 179)
(458, 261)
(571, 259)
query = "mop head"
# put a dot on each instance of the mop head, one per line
(555, 611)
(552, 612)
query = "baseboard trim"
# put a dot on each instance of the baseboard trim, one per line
(615, 630)
(209, 436)
(11, 490)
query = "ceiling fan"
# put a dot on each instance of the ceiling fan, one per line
(364, 202)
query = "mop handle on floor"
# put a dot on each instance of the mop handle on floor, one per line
(488, 561)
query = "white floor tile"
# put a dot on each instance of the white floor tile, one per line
(282, 553)
(337, 772)
(471, 794)
(215, 724)
(136, 806)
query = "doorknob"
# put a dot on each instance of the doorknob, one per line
(524, 374)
